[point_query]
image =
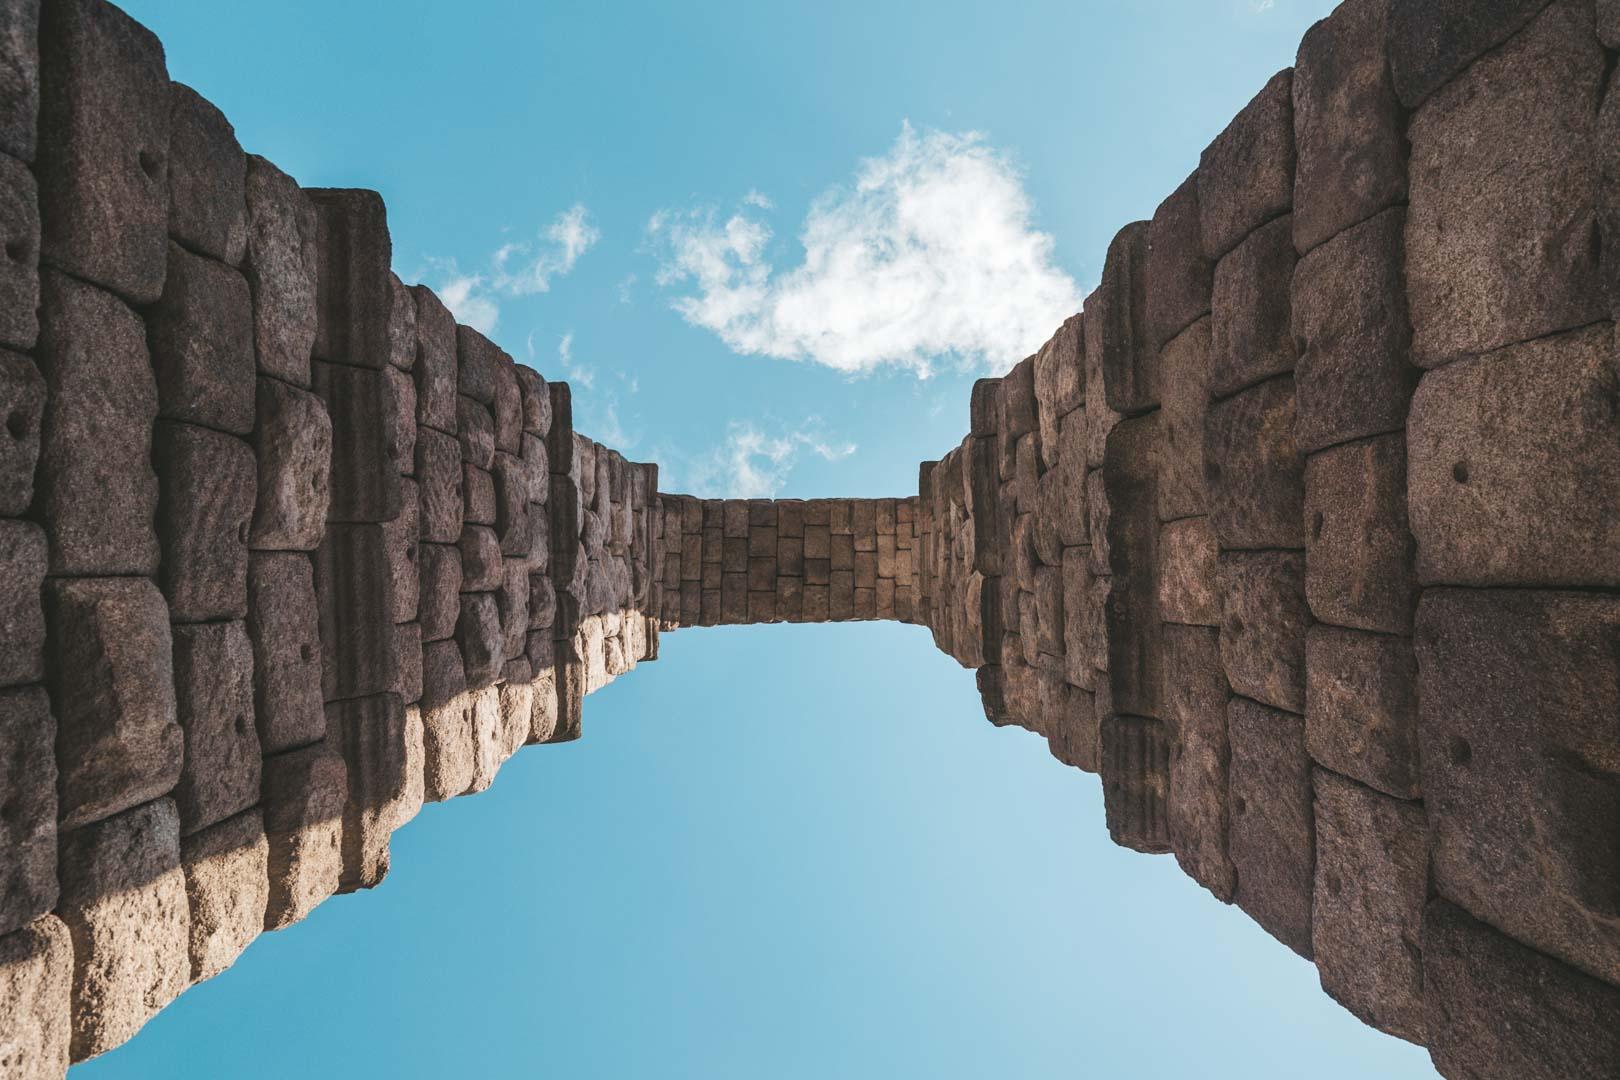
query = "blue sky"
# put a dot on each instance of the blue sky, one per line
(794, 851)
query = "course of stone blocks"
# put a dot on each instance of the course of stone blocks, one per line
(1303, 535)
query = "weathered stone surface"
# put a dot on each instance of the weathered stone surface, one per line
(440, 480)
(1508, 459)
(370, 734)
(444, 677)
(1432, 43)
(1135, 646)
(1502, 235)
(475, 425)
(508, 409)
(402, 329)
(1359, 547)
(410, 800)
(1184, 368)
(117, 743)
(304, 793)
(213, 685)
(207, 482)
(227, 890)
(481, 563)
(1272, 837)
(435, 370)
(401, 540)
(207, 178)
(1519, 694)
(402, 397)
(19, 236)
(1361, 712)
(124, 901)
(1060, 384)
(511, 517)
(95, 470)
(1372, 878)
(22, 615)
(1098, 510)
(1251, 337)
(365, 475)
(536, 401)
(352, 585)
(485, 708)
(353, 285)
(1498, 1011)
(1176, 265)
(542, 661)
(478, 631)
(1348, 124)
(28, 827)
(1189, 573)
(104, 183)
(439, 580)
(19, 84)
(281, 270)
(36, 987)
(512, 604)
(1263, 622)
(408, 647)
(1246, 176)
(1195, 695)
(1118, 314)
(1135, 761)
(1253, 471)
(1085, 636)
(516, 699)
(293, 451)
(1608, 23)
(283, 623)
(22, 407)
(479, 364)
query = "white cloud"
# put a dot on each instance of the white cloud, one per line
(929, 255)
(518, 269)
(758, 198)
(464, 296)
(583, 374)
(754, 464)
(1261, 6)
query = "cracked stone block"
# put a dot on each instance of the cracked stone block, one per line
(28, 820)
(207, 483)
(207, 178)
(1253, 471)
(481, 562)
(353, 590)
(353, 285)
(1348, 124)
(479, 365)
(1084, 634)
(1432, 43)
(227, 890)
(365, 476)
(293, 450)
(1272, 837)
(1361, 710)
(1060, 383)
(19, 236)
(1180, 273)
(283, 623)
(117, 742)
(1502, 236)
(370, 734)
(1117, 313)
(402, 397)
(1135, 646)
(1189, 573)
(304, 794)
(1246, 176)
(1135, 760)
(1496, 1009)
(1359, 546)
(1372, 878)
(435, 370)
(1263, 622)
(213, 684)
(1519, 712)
(402, 543)
(99, 493)
(23, 558)
(19, 82)
(1184, 371)
(124, 901)
(1508, 458)
(439, 590)
(1251, 335)
(439, 480)
(1200, 754)
(1354, 376)
(281, 270)
(478, 631)
(36, 999)
(22, 408)
(104, 172)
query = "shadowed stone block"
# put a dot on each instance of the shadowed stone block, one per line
(478, 631)
(1246, 176)
(1431, 43)
(1135, 645)
(1135, 760)
(365, 476)
(104, 170)
(1263, 622)
(1195, 695)
(476, 431)
(19, 82)
(439, 590)
(508, 408)
(1509, 458)
(1098, 512)
(284, 625)
(1519, 694)
(1372, 878)
(1253, 471)
(1100, 417)
(400, 539)
(511, 517)
(95, 469)
(1502, 239)
(1060, 383)
(22, 408)
(478, 488)
(1189, 573)
(19, 236)
(117, 743)
(28, 827)
(36, 992)
(293, 452)
(439, 480)
(1361, 712)
(1359, 546)
(1180, 273)
(354, 292)
(1499, 1011)
(479, 365)
(444, 677)
(408, 646)
(402, 398)
(1354, 377)
(536, 401)
(213, 682)
(435, 370)
(370, 734)
(1185, 374)
(1084, 635)
(207, 177)
(1272, 836)
(1608, 23)
(22, 615)
(402, 331)
(281, 271)
(304, 793)
(481, 563)
(227, 891)
(512, 605)
(1117, 313)
(353, 585)
(124, 900)
(1251, 336)
(207, 483)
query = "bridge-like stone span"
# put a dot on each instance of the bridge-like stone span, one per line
(1304, 535)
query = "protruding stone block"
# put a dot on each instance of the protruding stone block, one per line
(1272, 837)
(479, 365)
(370, 734)
(1180, 273)
(481, 563)
(1135, 773)
(435, 370)
(484, 707)
(207, 178)
(1432, 43)
(353, 585)
(304, 793)
(1117, 313)
(22, 615)
(401, 540)
(536, 401)
(512, 604)
(1251, 337)
(1361, 715)
(365, 475)
(354, 291)
(213, 682)
(1060, 384)
(19, 235)
(478, 631)
(284, 625)
(293, 451)
(1100, 416)
(1189, 573)
(281, 270)
(1253, 471)
(19, 86)
(439, 604)
(200, 333)
(1195, 694)
(36, 999)
(1246, 176)
(1359, 547)
(207, 483)
(1185, 374)
(28, 827)
(227, 890)
(22, 407)
(439, 480)
(1263, 622)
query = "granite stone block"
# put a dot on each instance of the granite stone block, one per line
(1253, 470)
(303, 799)
(207, 178)
(283, 623)
(370, 734)
(354, 295)
(1195, 697)
(1246, 176)
(200, 333)
(19, 237)
(1263, 622)
(1272, 834)
(281, 268)
(1361, 710)
(36, 999)
(292, 443)
(1358, 544)
(213, 689)
(28, 826)
(227, 891)
(207, 482)
(23, 559)
(1251, 336)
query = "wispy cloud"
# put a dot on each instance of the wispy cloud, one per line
(754, 463)
(1261, 6)
(930, 255)
(583, 374)
(518, 268)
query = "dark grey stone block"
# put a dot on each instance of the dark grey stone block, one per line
(1359, 546)
(293, 453)
(200, 333)
(28, 827)
(281, 268)
(435, 370)
(439, 480)
(1117, 313)
(19, 77)
(22, 410)
(283, 622)
(478, 632)
(353, 590)
(1273, 834)
(354, 291)
(19, 247)
(1246, 176)
(1253, 470)
(208, 481)
(207, 178)
(370, 734)
(1196, 693)
(213, 683)
(1251, 336)
(1432, 42)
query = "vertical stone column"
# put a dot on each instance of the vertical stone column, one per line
(567, 498)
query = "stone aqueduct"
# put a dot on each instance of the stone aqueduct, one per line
(1304, 535)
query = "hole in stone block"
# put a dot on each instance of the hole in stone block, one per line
(241, 725)
(1317, 522)
(17, 425)
(410, 552)
(1235, 625)
(151, 164)
(306, 653)
(16, 251)
(1459, 472)
(242, 532)
(1334, 885)
(1239, 806)
(1459, 751)
(8, 811)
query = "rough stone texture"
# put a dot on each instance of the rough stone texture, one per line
(1372, 878)
(22, 407)
(411, 797)
(1519, 697)
(227, 890)
(1431, 43)
(402, 330)
(408, 646)
(536, 401)
(1135, 647)
(28, 825)
(475, 426)
(1359, 547)
(1507, 456)
(1253, 472)
(1263, 622)
(304, 794)
(1246, 176)
(281, 270)
(484, 706)
(1176, 265)
(19, 83)
(19, 237)
(293, 452)
(1085, 636)
(439, 480)
(1117, 312)
(1060, 383)
(22, 616)
(478, 631)
(1195, 705)
(402, 397)
(283, 622)
(353, 589)
(95, 469)
(117, 742)
(207, 483)
(1251, 336)
(104, 169)
(124, 901)
(36, 985)
(439, 590)
(401, 540)
(1502, 235)
(207, 178)
(354, 295)
(481, 562)
(1184, 369)
(1189, 573)
(1348, 124)
(1135, 760)
(479, 365)
(1272, 833)
(1361, 711)
(1499, 1011)
(365, 474)
(370, 734)
(1354, 376)
(213, 682)
(435, 370)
